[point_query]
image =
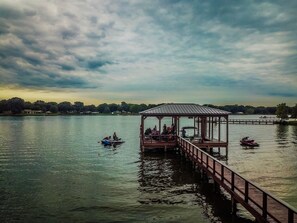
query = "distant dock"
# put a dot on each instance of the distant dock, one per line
(253, 121)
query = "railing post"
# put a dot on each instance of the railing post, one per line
(222, 173)
(290, 216)
(190, 149)
(202, 161)
(232, 181)
(214, 167)
(207, 162)
(246, 192)
(264, 213)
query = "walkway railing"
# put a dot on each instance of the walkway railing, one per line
(160, 137)
(264, 206)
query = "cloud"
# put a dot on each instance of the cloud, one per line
(94, 64)
(139, 47)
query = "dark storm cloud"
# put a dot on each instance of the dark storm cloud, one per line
(66, 67)
(8, 12)
(94, 64)
(36, 78)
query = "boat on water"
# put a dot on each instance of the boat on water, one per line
(115, 140)
(246, 141)
(109, 142)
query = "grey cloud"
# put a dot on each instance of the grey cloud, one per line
(12, 52)
(67, 67)
(11, 12)
(4, 28)
(69, 34)
(94, 64)
(40, 79)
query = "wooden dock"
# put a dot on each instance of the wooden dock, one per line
(252, 121)
(261, 204)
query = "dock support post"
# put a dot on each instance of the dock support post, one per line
(216, 186)
(233, 206)
(211, 150)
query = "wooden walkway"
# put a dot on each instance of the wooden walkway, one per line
(261, 204)
(252, 121)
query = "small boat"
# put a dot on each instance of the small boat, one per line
(246, 141)
(109, 142)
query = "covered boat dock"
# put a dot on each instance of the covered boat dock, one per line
(208, 130)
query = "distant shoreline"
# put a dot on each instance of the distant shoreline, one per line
(56, 114)
(281, 122)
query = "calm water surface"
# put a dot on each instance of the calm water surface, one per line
(52, 169)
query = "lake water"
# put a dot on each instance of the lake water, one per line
(52, 169)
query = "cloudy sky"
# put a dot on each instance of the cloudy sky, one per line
(94, 51)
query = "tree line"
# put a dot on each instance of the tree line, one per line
(281, 110)
(18, 106)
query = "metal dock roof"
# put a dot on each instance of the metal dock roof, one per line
(184, 110)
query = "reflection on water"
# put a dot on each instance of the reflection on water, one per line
(170, 179)
(294, 134)
(282, 135)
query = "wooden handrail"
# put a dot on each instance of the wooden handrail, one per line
(209, 163)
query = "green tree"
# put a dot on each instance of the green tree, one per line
(294, 112)
(3, 106)
(249, 110)
(124, 106)
(65, 107)
(282, 111)
(16, 105)
(142, 107)
(53, 108)
(28, 105)
(39, 105)
(78, 106)
(90, 108)
(103, 108)
(113, 107)
(134, 108)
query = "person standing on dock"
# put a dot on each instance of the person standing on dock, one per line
(183, 133)
(164, 129)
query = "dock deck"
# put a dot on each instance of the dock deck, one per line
(261, 204)
(149, 143)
